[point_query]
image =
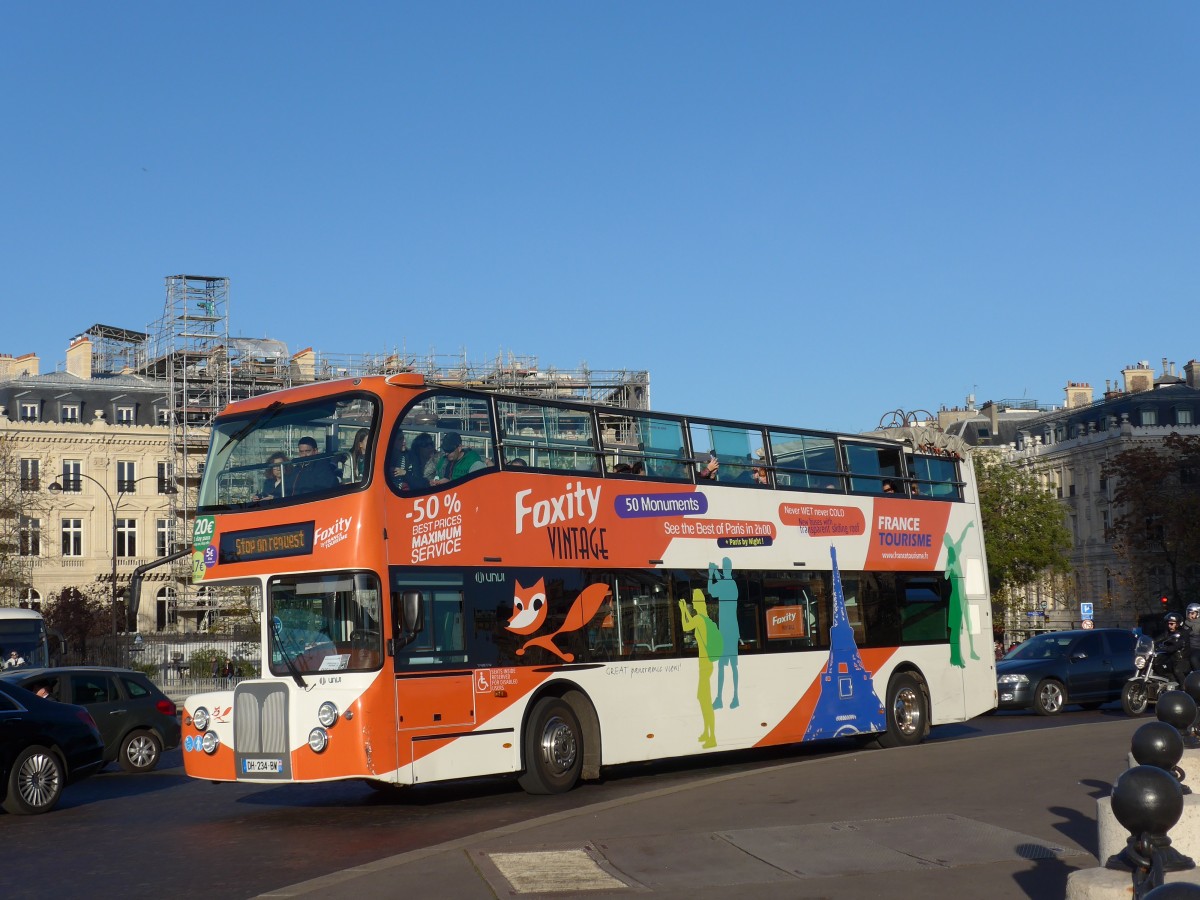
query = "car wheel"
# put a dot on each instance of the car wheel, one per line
(35, 782)
(1135, 698)
(140, 751)
(1049, 698)
(907, 712)
(553, 748)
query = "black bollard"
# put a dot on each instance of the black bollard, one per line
(1178, 709)
(1191, 687)
(1176, 890)
(1159, 744)
(1148, 802)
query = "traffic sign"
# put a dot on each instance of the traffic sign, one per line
(1085, 610)
(1086, 623)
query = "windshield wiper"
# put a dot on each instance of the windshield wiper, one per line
(276, 627)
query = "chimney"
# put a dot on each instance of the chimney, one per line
(21, 367)
(1079, 393)
(304, 365)
(1138, 378)
(79, 358)
(1191, 372)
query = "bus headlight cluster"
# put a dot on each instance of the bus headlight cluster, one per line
(209, 742)
(327, 715)
(318, 739)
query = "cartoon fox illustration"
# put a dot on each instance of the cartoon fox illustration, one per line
(529, 614)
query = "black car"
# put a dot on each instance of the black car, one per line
(1049, 671)
(43, 745)
(137, 720)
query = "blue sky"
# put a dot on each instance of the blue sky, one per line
(797, 213)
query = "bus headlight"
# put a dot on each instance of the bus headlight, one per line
(200, 718)
(327, 715)
(1013, 679)
(318, 740)
(210, 742)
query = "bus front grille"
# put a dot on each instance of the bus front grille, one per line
(260, 731)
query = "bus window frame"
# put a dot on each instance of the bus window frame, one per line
(334, 458)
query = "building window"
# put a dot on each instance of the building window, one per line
(126, 476)
(29, 412)
(72, 537)
(30, 599)
(72, 469)
(30, 536)
(166, 607)
(126, 537)
(124, 415)
(162, 415)
(1183, 417)
(164, 478)
(1149, 416)
(30, 471)
(164, 537)
(69, 412)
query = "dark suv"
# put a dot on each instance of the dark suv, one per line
(136, 719)
(1049, 671)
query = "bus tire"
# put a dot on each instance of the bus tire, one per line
(907, 711)
(553, 748)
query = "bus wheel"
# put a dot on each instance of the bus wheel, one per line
(907, 712)
(553, 748)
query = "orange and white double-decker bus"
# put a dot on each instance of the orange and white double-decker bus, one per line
(457, 583)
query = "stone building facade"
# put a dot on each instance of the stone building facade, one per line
(1066, 448)
(95, 479)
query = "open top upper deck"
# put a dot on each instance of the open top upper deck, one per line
(320, 441)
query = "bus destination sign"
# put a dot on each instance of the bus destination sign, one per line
(266, 543)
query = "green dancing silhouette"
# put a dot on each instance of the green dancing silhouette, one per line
(958, 602)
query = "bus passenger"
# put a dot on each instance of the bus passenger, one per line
(710, 468)
(759, 475)
(272, 486)
(357, 463)
(459, 460)
(420, 465)
(316, 475)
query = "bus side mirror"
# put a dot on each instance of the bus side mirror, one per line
(408, 611)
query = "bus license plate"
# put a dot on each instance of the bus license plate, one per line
(262, 766)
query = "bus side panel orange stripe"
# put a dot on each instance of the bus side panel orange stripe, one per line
(794, 724)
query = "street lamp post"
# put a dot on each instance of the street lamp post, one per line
(113, 505)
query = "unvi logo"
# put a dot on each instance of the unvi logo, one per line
(206, 529)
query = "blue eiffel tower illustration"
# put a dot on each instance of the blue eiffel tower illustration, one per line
(847, 703)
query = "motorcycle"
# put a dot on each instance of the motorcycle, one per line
(1152, 678)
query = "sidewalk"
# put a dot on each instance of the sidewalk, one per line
(1006, 816)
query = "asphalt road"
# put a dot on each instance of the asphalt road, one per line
(162, 834)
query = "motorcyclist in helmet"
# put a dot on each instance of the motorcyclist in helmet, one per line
(1192, 626)
(1174, 646)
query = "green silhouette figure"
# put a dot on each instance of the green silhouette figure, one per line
(708, 643)
(958, 602)
(723, 589)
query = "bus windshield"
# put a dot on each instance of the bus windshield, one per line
(22, 638)
(280, 453)
(324, 623)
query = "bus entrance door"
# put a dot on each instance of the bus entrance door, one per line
(435, 716)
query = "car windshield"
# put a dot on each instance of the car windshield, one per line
(1044, 646)
(281, 452)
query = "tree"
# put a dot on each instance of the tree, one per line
(77, 617)
(1023, 528)
(1155, 497)
(16, 570)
